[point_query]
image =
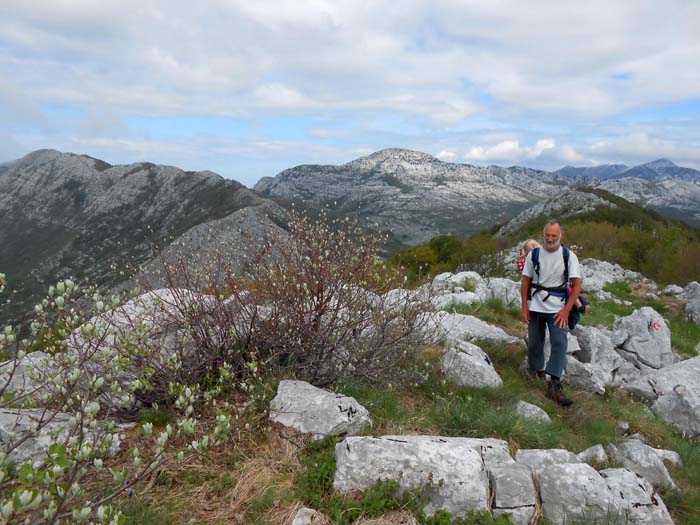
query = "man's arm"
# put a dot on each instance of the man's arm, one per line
(524, 288)
(561, 319)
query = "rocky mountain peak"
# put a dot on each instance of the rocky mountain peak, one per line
(660, 164)
(392, 157)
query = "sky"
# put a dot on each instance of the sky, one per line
(249, 88)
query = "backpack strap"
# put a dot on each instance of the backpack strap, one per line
(558, 291)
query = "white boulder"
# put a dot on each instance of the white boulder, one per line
(451, 470)
(532, 412)
(314, 411)
(465, 364)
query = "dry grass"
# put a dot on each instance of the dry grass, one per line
(393, 518)
(221, 487)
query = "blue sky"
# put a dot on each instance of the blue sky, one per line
(247, 89)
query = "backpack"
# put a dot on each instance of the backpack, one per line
(558, 291)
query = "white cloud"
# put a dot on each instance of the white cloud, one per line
(527, 82)
(279, 96)
(511, 150)
(567, 153)
(446, 156)
(540, 147)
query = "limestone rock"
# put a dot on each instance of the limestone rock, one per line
(642, 459)
(692, 293)
(529, 411)
(596, 348)
(672, 289)
(451, 299)
(458, 327)
(26, 376)
(18, 433)
(576, 491)
(644, 338)
(636, 497)
(585, 375)
(539, 459)
(670, 456)
(596, 274)
(505, 290)
(314, 411)
(454, 467)
(674, 394)
(446, 282)
(465, 364)
(594, 454)
(513, 492)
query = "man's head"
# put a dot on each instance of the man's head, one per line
(553, 233)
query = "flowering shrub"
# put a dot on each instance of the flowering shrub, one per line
(58, 411)
(317, 305)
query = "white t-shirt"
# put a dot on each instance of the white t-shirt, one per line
(551, 275)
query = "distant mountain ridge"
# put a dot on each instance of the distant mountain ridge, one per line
(657, 169)
(71, 215)
(417, 196)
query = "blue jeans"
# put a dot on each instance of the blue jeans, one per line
(539, 322)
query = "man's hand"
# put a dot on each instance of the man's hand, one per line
(561, 319)
(526, 313)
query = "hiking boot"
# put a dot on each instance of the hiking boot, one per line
(555, 393)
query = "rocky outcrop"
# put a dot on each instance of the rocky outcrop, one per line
(314, 411)
(575, 490)
(596, 274)
(597, 350)
(452, 471)
(25, 378)
(158, 322)
(455, 328)
(692, 293)
(504, 290)
(28, 433)
(465, 364)
(459, 474)
(539, 459)
(565, 204)
(644, 339)
(447, 282)
(643, 460)
(455, 298)
(674, 394)
(637, 498)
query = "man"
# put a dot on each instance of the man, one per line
(546, 306)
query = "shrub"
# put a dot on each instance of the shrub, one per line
(72, 397)
(314, 306)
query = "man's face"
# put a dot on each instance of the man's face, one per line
(552, 237)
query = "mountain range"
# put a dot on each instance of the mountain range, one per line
(416, 196)
(63, 214)
(72, 215)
